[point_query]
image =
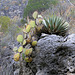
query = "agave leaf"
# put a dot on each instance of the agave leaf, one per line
(51, 28)
(67, 24)
(50, 22)
(58, 23)
(44, 23)
(47, 24)
(62, 23)
(55, 23)
(60, 26)
(65, 27)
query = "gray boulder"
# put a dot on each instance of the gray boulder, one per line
(55, 55)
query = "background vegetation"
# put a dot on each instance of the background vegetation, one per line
(38, 5)
(4, 23)
(8, 30)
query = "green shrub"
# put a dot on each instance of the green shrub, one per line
(38, 5)
(4, 22)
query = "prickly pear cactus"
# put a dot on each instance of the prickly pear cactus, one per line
(30, 36)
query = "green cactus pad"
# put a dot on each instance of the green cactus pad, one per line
(32, 23)
(16, 57)
(24, 42)
(35, 14)
(28, 52)
(20, 49)
(28, 27)
(28, 59)
(20, 38)
(34, 43)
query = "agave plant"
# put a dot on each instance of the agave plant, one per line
(55, 25)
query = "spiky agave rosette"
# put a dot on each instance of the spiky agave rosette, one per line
(56, 25)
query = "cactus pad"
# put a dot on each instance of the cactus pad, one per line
(20, 49)
(16, 57)
(20, 38)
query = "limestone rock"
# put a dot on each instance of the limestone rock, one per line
(54, 53)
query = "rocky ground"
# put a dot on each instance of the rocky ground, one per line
(12, 8)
